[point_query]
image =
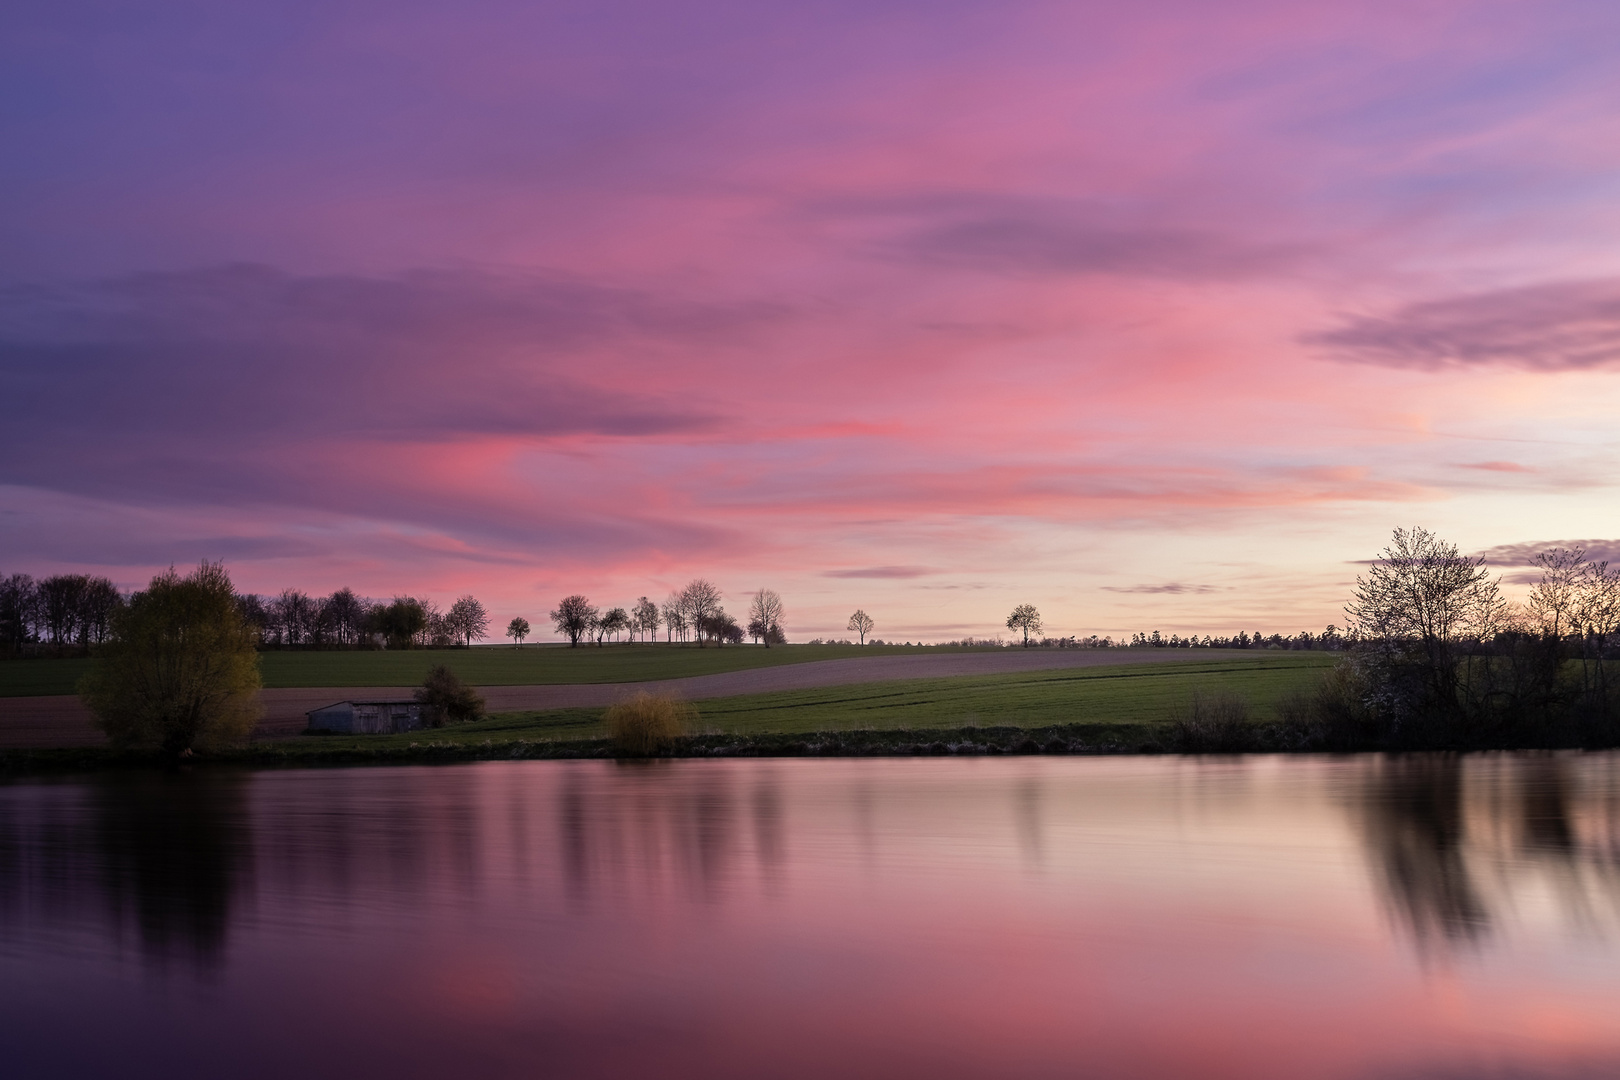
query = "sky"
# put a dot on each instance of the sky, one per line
(1156, 316)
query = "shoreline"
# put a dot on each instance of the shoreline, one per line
(1066, 740)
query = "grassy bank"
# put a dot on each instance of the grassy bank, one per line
(481, 666)
(1114, 709)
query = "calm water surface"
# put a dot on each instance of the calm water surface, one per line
(1014, 917)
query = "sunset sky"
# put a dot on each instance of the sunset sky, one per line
(1156, 315)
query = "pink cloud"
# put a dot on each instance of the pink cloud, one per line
(496, 299)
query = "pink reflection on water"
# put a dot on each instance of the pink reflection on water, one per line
(946, 918)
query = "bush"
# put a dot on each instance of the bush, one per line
(446, 699)
(646, 723)
(1212, 723)
(181, 670)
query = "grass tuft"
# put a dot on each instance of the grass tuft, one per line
(647, 723)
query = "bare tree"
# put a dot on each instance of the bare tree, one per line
(644, 618)
(700, 601)
(674, 613)
(1024, 617)
(1416, 613)
(765, 615)
(517, 630)
(1554, 604)
(61, 598)
(614, 621)
(467, 619)
(293, 616)
(574, 618)
(19, 605)
(345, 615)
(1576, 604)
(861, 623)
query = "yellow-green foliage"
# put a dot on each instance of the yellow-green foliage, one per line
(181, 670)
(647, 723)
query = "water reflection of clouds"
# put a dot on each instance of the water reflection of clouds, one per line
(994, 917)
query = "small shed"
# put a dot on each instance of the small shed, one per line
(376, 717)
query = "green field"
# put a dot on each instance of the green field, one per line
(1114, 696)
(482, 666)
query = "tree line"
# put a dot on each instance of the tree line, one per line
(292, 618)
(1440, 656)
(60, 612)
(694, 613)
(71, 612)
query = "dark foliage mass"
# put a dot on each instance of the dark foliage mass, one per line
(179, 669)
(447, 700)
(58, 614)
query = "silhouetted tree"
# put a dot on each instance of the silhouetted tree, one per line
(517, 629)
(292, 617)
(613, 621)
(344, 614)
(765, 614)
(700, 601)
(674, 614)
(721, 627)
(574, 618)
(1416, 613)
(400, 622)
(19, 612)
(644, 618)
(467, 619)
(1024, 617)
(862, 624)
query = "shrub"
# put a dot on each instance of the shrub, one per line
(1212, 723)
(646, 723)
(446, 699)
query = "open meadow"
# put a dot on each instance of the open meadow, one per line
(1113, 697)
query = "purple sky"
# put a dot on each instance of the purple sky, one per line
(1156, 315)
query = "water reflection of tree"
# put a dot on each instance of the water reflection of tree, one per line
(649, 824)
(161, 857)
(1460, 845)
(1414, 829)
(173, 853)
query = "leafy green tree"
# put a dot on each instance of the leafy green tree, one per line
(181, 670)
(1024, 617)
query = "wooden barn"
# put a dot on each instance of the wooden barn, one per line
(377, 717)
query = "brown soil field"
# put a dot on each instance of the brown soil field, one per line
(39, 722)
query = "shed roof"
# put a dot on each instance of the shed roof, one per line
(368, 701)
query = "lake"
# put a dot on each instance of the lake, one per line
(1359, 917)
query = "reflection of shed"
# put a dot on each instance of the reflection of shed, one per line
(367, 717)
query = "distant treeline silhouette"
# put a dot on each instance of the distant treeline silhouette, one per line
(68, 613)
(61, 613)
